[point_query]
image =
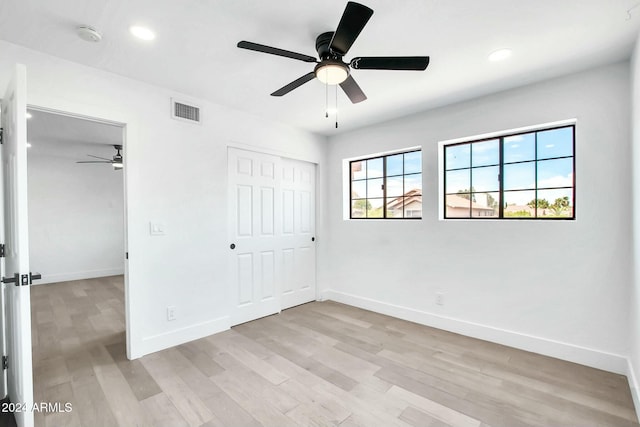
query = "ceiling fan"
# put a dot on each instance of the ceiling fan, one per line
(116, 161)
(332, 46)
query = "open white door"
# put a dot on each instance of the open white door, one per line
(17, 277)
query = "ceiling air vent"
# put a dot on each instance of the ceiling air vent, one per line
(183, 111)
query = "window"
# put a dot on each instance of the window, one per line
(523, 175)
(387, 187)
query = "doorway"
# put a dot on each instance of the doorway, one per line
(77, 240)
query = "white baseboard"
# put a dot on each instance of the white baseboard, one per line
(633, 386)
(78, 275)
(561, 350)
(179, 336)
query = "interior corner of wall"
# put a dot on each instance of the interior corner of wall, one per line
(633, 386)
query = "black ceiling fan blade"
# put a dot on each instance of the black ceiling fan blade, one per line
(414, 63)
(275, 51)
(96, 161)
(353, 20)
(294, 84)
(97, 157)
(352, 90)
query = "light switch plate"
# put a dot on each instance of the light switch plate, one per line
(157, 228)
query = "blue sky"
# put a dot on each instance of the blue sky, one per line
(517, 176)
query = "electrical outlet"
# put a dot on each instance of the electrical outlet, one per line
(171, 312)
(439, 298)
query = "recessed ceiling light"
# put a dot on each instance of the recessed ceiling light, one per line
(28, 115)
(143, 33)
(500, 55)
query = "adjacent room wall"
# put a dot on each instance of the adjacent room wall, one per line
(634, 322)
(76, 218)
(557, 288)
(175, 174)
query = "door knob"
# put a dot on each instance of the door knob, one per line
(232, 246)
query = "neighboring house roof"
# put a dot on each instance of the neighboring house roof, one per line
(406, 199)
(454, 201)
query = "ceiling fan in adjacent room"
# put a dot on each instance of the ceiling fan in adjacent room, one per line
(116, 161)
(332, 46)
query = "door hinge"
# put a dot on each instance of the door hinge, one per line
(1, 250)
(5, 362)
(1, 135)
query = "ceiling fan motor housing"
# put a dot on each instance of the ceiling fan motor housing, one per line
(322, 45)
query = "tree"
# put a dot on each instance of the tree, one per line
(560, 206)
(362, 204)
(540, 203)
(493, 203)
(466, 194)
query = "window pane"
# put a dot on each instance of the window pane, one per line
(374, 187)
(413, 162)
(374, 208)
(519, 148)
(359, 208)
(555, 143)
(358, 189)
(413, 184)
(457, 156)
(358, 170)
(485, 179)
(555, 173)
(485, 153)
(411, 213)
(394, 186)
(485, 204)
(394, 165)
(374, 168)
(413, 207)
(516, 204)
(458, 181)
(458, 206)
(520, 176)
(395, 207)
(559, 202)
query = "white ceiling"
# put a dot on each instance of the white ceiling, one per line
(195, 52)
(72, 138)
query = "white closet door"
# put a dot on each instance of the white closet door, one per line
(254, 203)
(298, 232)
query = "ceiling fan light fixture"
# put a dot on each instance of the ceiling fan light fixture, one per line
(117, 165)
(332, 73)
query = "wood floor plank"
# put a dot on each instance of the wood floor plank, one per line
(418, 418)
(318, 364)
(141, 383)
(188, 403)
(124, 404)
(162, 411)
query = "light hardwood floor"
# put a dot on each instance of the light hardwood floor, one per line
(319, 364)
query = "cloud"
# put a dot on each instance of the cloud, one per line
(557, 181)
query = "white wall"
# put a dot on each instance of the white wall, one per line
(634, 322)
(76, 218)
(176, 174)
(557, 288)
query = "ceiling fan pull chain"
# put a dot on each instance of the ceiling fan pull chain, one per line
(326, 102)
(336, 106)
